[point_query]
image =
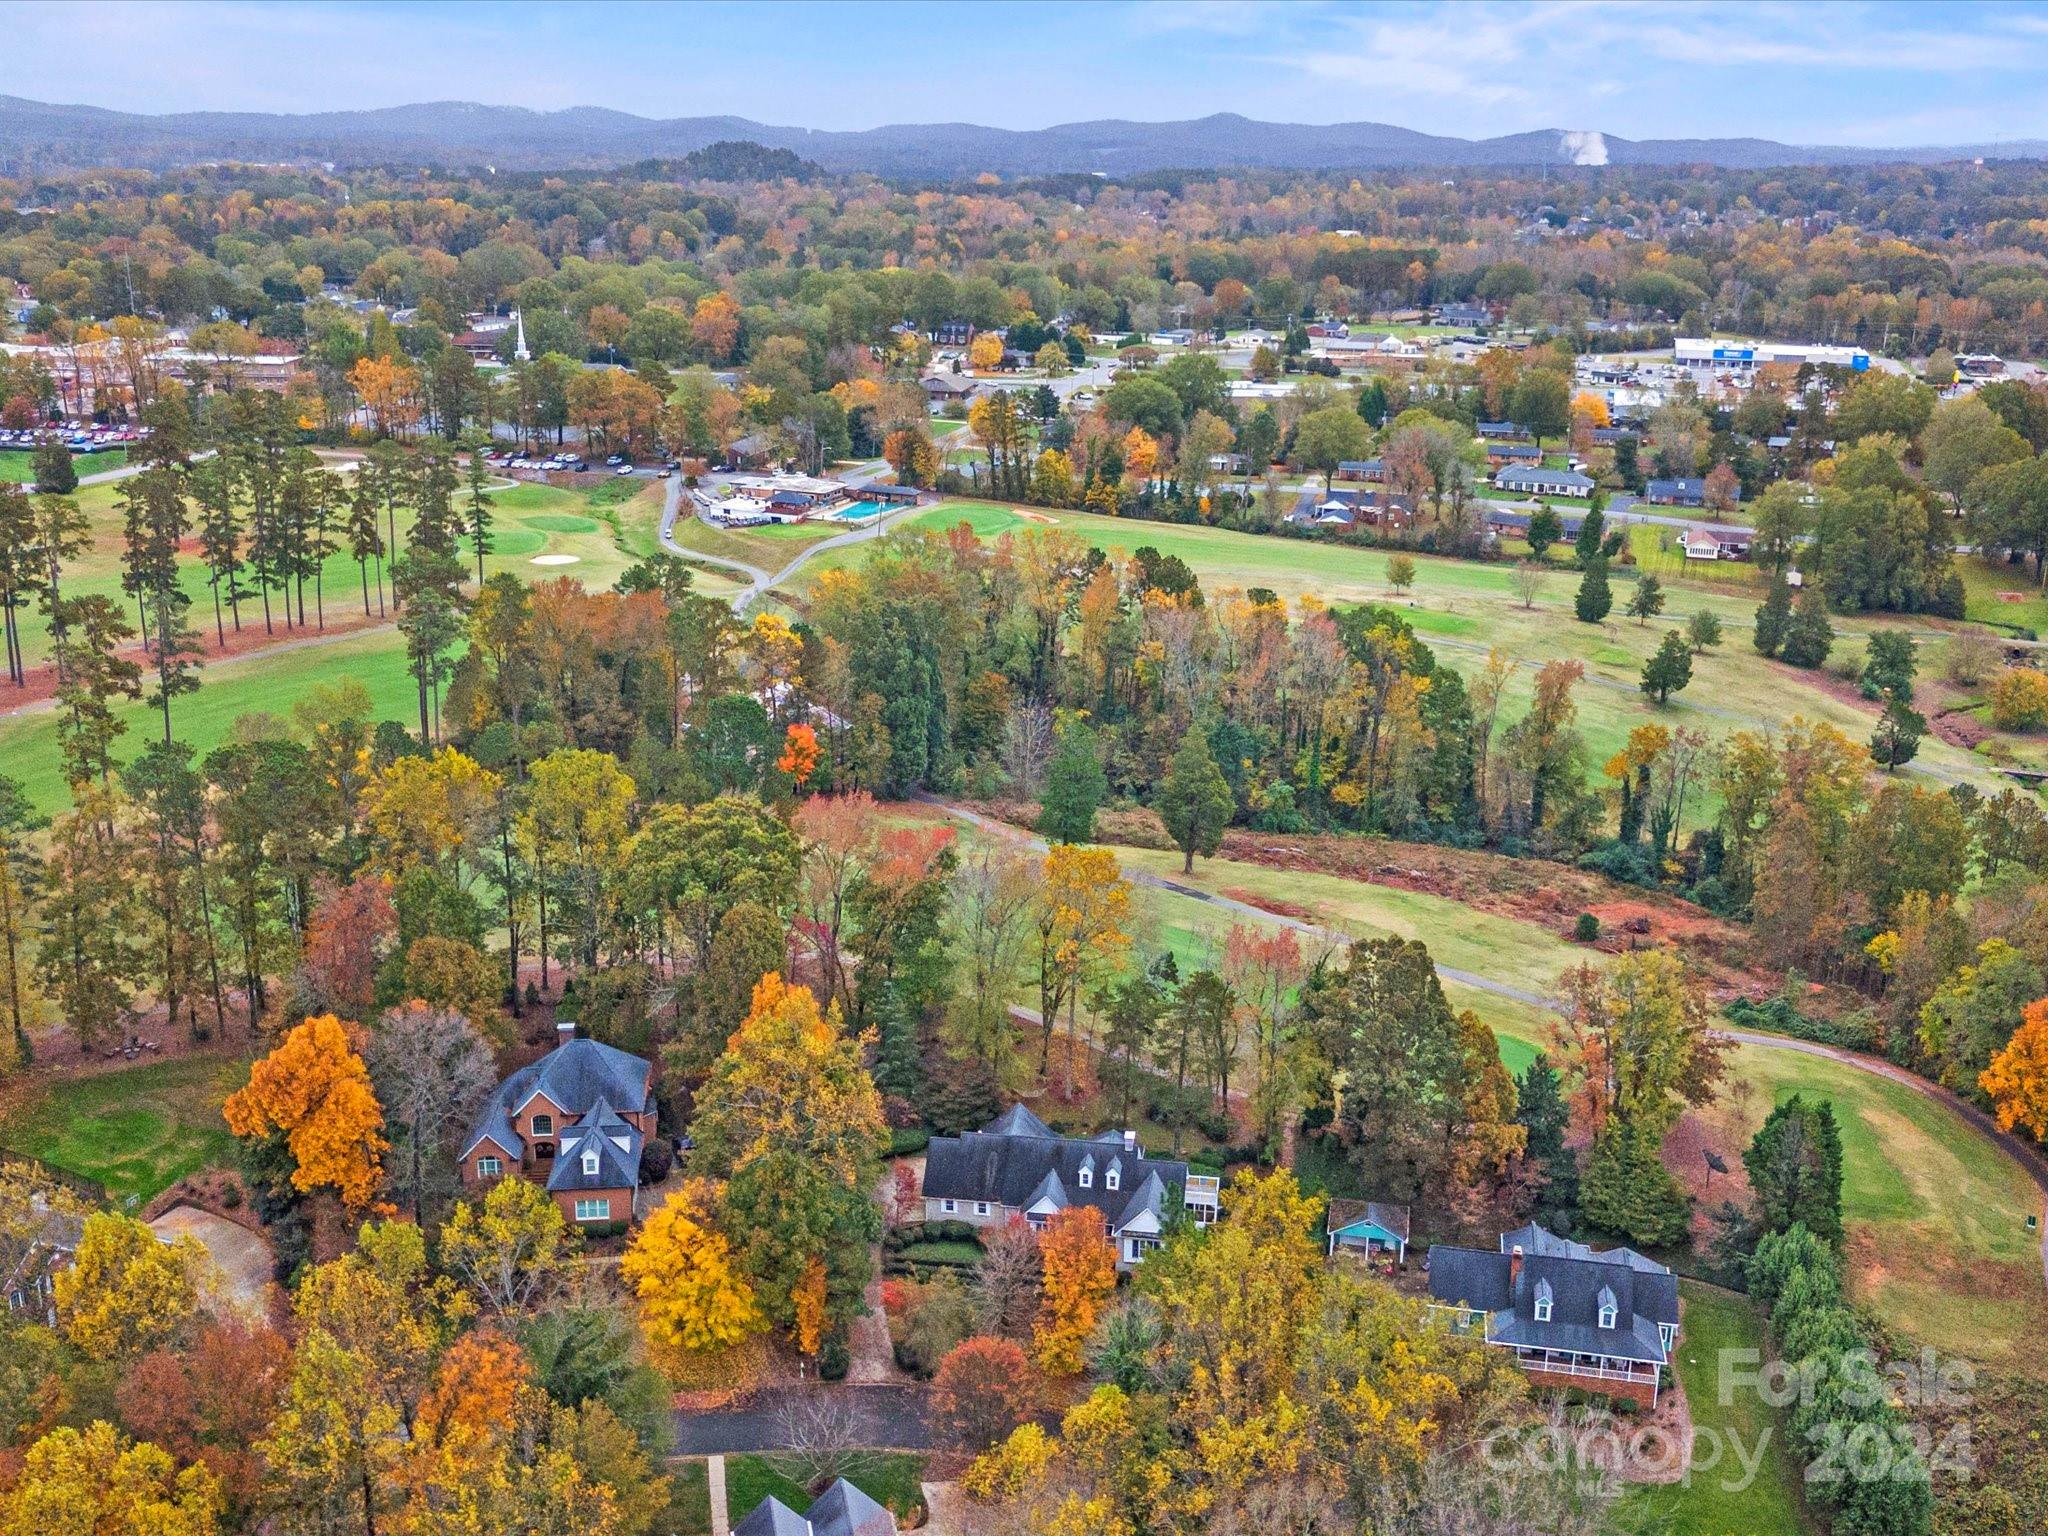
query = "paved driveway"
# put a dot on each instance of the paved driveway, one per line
(243, 1256)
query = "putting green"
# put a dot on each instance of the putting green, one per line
(517, 541)
(560, 522)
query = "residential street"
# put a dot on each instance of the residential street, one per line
(885, 1418)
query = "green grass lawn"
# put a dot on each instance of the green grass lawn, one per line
(768, 548)
(1936, 1213)
(1722, 1501)
(19, 468)
(891, 1479)
(689, 1500)
(947, 1252)
(137, 1130)
(1984, 581)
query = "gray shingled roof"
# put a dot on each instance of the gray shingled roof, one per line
(575, 1075)
(1017, 1161)
(600, 1131)
(1576, 1280)
(841, 1510)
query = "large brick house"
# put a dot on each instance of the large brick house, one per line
(1017, 1165)
(1604, 1320)
(576, 1121)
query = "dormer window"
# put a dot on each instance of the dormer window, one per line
(1114, 1177)
(1607, 1315)
(1543, 1299)
(590, 1162)
(1086, 1177)
(1610, 1309)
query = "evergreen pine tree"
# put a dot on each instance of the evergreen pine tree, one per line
(1897, 737)
(1587, 544)
(55, 474)
(1670, 669)
(1074, 787)
(1627, 1190)
(1774, 616)
(1795, 1168)
(1595, 600)
(1194, 800)
(1647, 601)
(1540, 1107)
(1809, 636)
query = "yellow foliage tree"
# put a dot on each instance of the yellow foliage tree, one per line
(315, 1089)
(126, 1292)
(1141, 455)
(693, 1298)
(1080, 1275)
(99, 1483)
(810, 1307)
(986, 351)
(433, 811)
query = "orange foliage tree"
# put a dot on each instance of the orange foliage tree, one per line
(799, 752)
(2017, 1078)
(315, 1090)
(1080, 1274)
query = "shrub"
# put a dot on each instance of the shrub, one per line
(1587, 928)
(907, 1140)
(1971, 658)
(2019, 700)
(1857, 1032)
(657, 1161)
(834, 1360)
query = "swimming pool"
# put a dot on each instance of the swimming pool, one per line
(857, 511)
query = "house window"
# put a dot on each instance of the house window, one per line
(981, 1207)
(590, 1165)
(543, 1125)
(1113, 1178)
(949, 1206)
(1087, 1178)
(1607, 1317)
(489, 1167)
(1542, 1311)
(594, 1210)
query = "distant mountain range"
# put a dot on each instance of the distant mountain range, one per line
(37, 136)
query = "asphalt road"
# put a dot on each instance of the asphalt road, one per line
(884, 1418)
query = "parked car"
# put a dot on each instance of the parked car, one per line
(616, 459)
(663, 473)
(623, 469)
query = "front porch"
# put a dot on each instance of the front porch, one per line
(1636, 1380)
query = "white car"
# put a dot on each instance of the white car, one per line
(623, 469)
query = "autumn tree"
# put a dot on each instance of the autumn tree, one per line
(1082, 913)
(791, 1124)
(210, 1404)
(513, 1248)
(430, 1072)
(983, 1391)
(2017, 1077)
(1080, 1275)
(694, 1299)
(315, 1091)
(125, 1292)
(97, 1482)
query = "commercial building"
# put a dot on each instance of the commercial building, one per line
(1746, 356)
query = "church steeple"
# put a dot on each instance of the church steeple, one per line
(519, 352)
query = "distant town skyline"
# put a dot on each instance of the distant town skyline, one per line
(1882, 75)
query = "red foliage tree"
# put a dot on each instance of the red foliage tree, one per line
(984, 1389)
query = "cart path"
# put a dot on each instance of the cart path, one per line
(2030, 1158)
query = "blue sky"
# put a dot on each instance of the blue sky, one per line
(1817, 72)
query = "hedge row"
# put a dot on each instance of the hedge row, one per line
(1858, 1032)
(1863, 1464)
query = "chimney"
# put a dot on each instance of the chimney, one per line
(565, 1031)
(1514, 1266)
(1130, 1141)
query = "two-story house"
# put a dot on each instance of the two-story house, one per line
(576, 1121)
(1604, 1321)
(1017, 1165)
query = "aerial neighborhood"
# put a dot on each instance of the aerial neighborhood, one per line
(1154, 828)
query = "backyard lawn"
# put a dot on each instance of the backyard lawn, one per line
(1723, 1499)
(137, 1130)
(894, 1480)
